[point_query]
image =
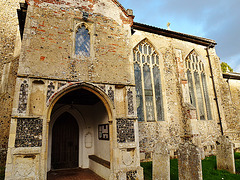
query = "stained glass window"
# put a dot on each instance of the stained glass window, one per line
(82, 42)
(198, 86)
(148, 83)
(139, 96)
(158, 92)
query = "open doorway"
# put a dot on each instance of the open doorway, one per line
(78, 130)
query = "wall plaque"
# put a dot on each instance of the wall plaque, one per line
(103, 132)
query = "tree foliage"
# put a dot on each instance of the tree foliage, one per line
(226, 68)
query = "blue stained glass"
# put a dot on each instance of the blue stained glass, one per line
(82, 42)
(145, 49)
(191, 90)
(139, 96)
(199, 96)
(149, 50)
(207, 102)
(158, 93)
(138, 57)
(157, 59)
(148, 93)
(148, 59)
(143, 59)
(140, 48)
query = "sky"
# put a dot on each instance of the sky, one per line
(214, 19)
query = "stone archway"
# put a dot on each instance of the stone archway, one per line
(94, 139)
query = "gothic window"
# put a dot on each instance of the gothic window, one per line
(148, 83)
(198, 86)
(82, 41)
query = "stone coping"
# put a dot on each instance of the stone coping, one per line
(27, 150)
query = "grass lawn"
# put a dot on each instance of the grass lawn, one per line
(2, 170)
(209, 166)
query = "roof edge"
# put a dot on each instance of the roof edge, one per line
(122, 8)
(173, 34)
(231, 76)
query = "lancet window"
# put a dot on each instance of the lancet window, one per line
(82, 41)
(148, 83)
(197, 84)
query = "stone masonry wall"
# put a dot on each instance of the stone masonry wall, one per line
(234, 132)
(234, 86)
(228, 111)
(170, 129)
(49, 42)
(9, 48)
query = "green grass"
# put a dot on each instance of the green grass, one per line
(209, 166)
(174, 169)
(210, 171)
(2, 173)
(147, 169)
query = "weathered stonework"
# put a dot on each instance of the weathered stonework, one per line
(29, 133)
(50, 90)
(233, 83)
(23, 97)
(125, 131)
(131, 175)
(225, 154)
(161, 162)
(9, 57)
(175, 91)
(189, 162)
(42, 77)
(130, 102)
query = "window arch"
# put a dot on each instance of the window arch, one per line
(82, 41)
(197, 84)
(148, 82)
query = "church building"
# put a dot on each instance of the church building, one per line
(84, 85)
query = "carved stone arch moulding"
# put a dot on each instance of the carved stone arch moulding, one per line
(71, 86)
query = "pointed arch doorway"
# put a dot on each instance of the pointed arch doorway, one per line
(74, 129)
(65, 142)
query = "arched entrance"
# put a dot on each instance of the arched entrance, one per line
(65, 142)
(79, 129)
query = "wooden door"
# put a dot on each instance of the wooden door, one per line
(65, 142)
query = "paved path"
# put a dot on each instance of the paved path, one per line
(73, 174)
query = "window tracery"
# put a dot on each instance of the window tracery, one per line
(148, 83)
(198, 86)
